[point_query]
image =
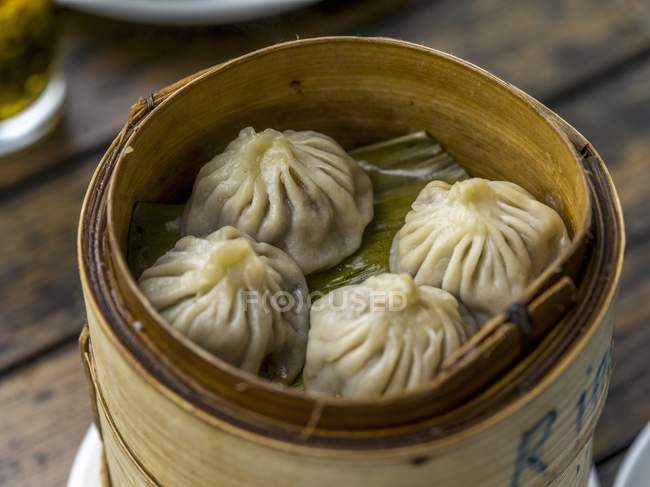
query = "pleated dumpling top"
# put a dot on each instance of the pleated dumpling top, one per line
(244, 301)
(298, 191)
(381, 337)
(483, 241)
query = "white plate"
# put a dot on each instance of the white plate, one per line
(87, 463)
(184, 12)
(635, 470)
(86, 468)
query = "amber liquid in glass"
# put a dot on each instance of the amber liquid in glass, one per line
(26, 52)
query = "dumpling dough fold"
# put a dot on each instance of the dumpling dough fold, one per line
(483, 241)
(382, 337)
(299, 191)
(244, 301)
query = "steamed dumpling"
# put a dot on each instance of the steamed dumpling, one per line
(246, 302)
(299, 191)
(483, 241)
(381, 337)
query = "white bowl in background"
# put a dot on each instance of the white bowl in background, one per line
(86, 469)
(184, 12)
(635, 469)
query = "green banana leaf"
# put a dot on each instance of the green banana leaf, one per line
(155, 229)
(399, 169)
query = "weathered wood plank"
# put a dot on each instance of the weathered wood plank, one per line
(615, 118)
(45, 412)
(40, 298)
(544, 47)
(541, 47)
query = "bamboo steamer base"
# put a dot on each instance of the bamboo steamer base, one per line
(576, 474)
(548, 442)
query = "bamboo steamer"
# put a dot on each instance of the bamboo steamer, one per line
(516, 405)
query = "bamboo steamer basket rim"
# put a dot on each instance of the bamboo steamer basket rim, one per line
(118, 261)
(121, 264)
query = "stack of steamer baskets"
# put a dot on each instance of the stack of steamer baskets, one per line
(516, 405)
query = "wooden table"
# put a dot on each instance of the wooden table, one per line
(587, 59)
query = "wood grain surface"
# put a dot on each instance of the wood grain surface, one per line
(45, 412)
(588, 58)
(546, 48)
(40, 293)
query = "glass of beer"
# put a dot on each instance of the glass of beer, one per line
(31, 90)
